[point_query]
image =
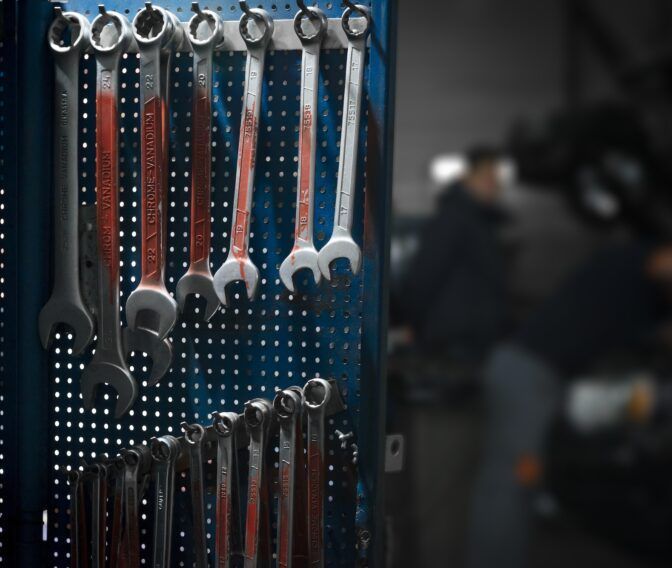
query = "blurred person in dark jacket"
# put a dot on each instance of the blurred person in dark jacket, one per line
(453, 296)
(613, 304)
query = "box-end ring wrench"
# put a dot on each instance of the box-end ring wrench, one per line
(317, 394)
(238, 265)
(227, 537)
(66, 305)
(165, 451)
(79, 555)
(258, 416)
(110, 37)
(150, 305)
(194, 436)
(288, 405)
(304, 254)
(341, 243)
(137, 461)
(205, 32)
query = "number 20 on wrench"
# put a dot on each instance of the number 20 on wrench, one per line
(238, 265)
(341, 243)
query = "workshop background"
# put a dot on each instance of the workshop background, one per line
(577, 96)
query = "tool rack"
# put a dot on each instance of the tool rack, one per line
(335, 330)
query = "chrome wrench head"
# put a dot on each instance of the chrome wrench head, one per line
(199, 284)
(341, 246)
(256, 28)
(298, 260)
(117, 376)
(151, 308)
(147, 341)
(205, 28)
(69, 34)
(110, 32)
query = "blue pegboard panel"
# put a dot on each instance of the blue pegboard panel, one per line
(334, 330)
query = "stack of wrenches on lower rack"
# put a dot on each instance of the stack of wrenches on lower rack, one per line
(154, 469)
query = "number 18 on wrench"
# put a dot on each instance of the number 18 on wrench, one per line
(341, 243)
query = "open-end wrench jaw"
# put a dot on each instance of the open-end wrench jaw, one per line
(339, 246)
(200, 284)
(152, 308)
(233, 270)
(72, 313)
(117, 376)
(147, 341)
(298, 260)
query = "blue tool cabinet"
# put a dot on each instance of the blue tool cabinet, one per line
(335, 330)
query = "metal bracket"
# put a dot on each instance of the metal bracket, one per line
(394, 453)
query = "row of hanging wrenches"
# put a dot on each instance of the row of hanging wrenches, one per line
(151, 311)
(151, 471)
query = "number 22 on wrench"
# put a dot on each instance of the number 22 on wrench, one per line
(341, 243)
(303, 254)
(155, 32)
(238, 265)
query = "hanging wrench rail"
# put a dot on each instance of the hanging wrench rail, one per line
(256, 27)
(150, 305)
(341, 243)
(304, 254)
(65, 304)
(205, 32)
(111, 35)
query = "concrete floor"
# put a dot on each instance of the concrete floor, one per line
(428, 503)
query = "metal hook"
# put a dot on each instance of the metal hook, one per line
(304, 9)
(149, 7)
(58, 13)
(102, 10)
(350, 4)
(196, 8)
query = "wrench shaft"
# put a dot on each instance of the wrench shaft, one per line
(201, 162)
(66, 113)
(315, 488)
(347, 165)
(153, 165)
(198, 504)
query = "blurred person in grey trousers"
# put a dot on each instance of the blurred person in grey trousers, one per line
(613, 302)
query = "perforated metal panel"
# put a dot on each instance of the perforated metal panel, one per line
(251, 348)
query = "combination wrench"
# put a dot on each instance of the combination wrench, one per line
(227, 537)
(79, 554)
(258, 416)
(304, 254)
(194, 436)
(317, 394)
(117, 472)
(147, 341)
(165, 451)
(238, 265)
(288, 405)
(98, 514)
(341, 243)
(111, 36)
(205, 32)
(137, 462)
(66, 305)
(150, 306)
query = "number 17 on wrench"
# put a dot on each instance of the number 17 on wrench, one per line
(341, 243)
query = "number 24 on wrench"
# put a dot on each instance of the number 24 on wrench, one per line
(341, 243)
